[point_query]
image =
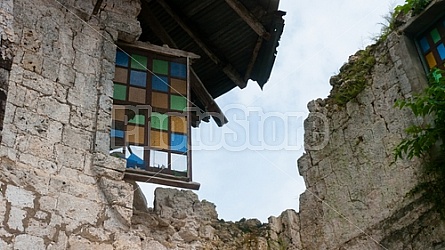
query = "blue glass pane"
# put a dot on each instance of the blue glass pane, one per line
(121, 59)
(178, 70)
(441, 50)
(117, 133)
(138, 78)
(160, 83)
(424, 44)
(134, 161)
(178, 143)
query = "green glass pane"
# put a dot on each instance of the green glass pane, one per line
(138, 119)
(160, 67)
(138, 62)
(178, 102)
(159, 121)
(435, 35)
(120, 92)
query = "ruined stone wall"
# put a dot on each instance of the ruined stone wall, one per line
(59, 189)
(357, 194)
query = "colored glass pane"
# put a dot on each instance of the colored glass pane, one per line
(178, 142)
(178, 102)
(178, 86)
(138, 78)
(424, 44)
(158, 159)
(159, 83)
(178, 70)
(120, 75)
(120, 92)
(121, 59)
(118, 113)
(159, 139)
(135, 134)
(117, 133)
(435, 35)
(138, 119)
(160, 67)
(138, 62)
(430, 60)
(179, 124)
(441, 51)
(159, 121)
(159, 100)
(135, 157)
(136, 95)
(179, 162)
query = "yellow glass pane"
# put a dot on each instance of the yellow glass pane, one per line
(179, 124)
(120, 75)
(178, 86)
(136, 95)
(118, 113)
(159, 100)
(159, 139)
(135, 134)
(430, 59)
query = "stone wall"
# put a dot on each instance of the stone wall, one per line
(357, 195)
(59, 189)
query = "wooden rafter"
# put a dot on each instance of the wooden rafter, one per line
(255, 52)
(227, 68)
(249, 18)
(197, 85)
(97, 7)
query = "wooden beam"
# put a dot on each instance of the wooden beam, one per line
(249, 18)
(160, 49)
(255, 52)
(228, 69)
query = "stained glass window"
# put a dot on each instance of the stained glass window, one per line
(431, 45)
(151, 127)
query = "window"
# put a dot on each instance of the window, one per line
(150, 116)
(431, 45)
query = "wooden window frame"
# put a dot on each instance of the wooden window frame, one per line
(165, 176)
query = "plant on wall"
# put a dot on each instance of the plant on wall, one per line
(412, 5)
(427, 140)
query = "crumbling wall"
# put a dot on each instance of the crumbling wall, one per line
(357, 194)
(59, 189)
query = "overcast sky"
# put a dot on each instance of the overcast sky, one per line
(248, 168)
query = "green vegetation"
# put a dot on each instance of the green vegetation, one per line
(427, 141)
(353, 76)
(416, 6)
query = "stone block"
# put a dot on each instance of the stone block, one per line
(77, 138)
(19, 197)
(117, 192)
(82, 118)
(77, 211)
(53, 109)
(15, 220)
(32, 62)
(67, 75)
(86, 64)
(84, 92)
(69, 157)
(27, 242)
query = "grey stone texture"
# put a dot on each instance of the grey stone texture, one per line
(59, 188)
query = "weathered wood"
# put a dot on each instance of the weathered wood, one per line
(149, 177)
(160, 49)
(249, 18)
(255, 52)
(228, 69)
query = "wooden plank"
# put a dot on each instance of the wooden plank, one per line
(228, 69)
(161, 180)
(255, 52)
(249, 18)
(164, 50)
